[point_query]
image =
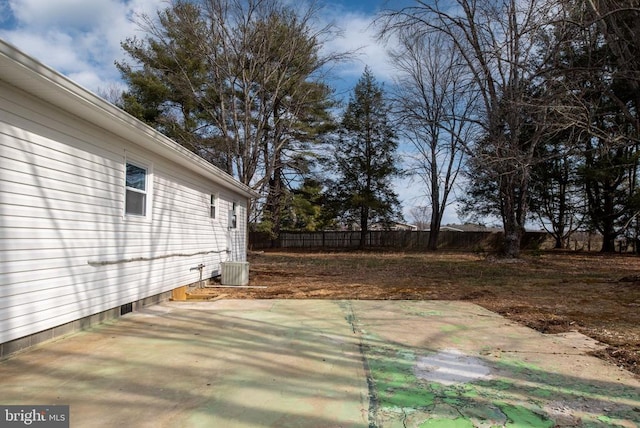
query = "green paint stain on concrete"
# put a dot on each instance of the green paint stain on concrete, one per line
(515, 400)
(470, 392)
(478, 403)
(453, 396)
(605, 421)
(609, 421)
(411, 398)
(406, 355)
(542, 392)
(451, 328)
(433, 313)
(519, 416)
(398, 388)
(519, 366)
(498, 384)
(396, 385)
(447, 423)
(454, 401)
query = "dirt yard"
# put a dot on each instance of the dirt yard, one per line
(594, 294)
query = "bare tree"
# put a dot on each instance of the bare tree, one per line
(433, 104)
(420, 216)
(499, 45)
(111, 93)
(238, 81)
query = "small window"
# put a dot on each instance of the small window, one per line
(136, 190)
(233, 223)
(212, 207)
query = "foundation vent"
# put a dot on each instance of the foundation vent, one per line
(126, 308)
(234, 273)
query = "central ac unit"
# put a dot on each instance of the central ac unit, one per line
(234, 273)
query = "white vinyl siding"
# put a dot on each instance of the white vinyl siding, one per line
(66, 250)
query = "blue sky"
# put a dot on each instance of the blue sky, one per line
(81, 39)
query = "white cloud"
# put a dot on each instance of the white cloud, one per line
(81, 38)
(74, 15)
(358, 35)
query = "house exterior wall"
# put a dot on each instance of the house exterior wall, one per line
(67, 249)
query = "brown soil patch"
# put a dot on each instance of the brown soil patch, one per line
(552, 292)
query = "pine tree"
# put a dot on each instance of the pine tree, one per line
(365, 159)
(241, 84)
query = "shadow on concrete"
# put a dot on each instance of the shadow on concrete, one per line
(198, 368)
(308, 364)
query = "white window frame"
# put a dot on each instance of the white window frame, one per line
(148, 191)
(233, 216)
(213, 205)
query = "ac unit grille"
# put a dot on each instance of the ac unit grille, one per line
(234, 273)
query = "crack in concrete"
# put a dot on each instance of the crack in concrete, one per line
(362, 347)
(404, 418)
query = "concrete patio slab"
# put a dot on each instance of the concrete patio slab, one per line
(318, 363)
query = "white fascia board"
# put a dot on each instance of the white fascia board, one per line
(35, 78)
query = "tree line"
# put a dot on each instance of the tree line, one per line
(521, 109)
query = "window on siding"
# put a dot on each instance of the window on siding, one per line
(136, 190)
(212, 207)
(233, 223)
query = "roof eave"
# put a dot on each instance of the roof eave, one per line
(31, 76)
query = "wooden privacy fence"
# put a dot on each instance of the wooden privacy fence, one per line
(395, 239)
